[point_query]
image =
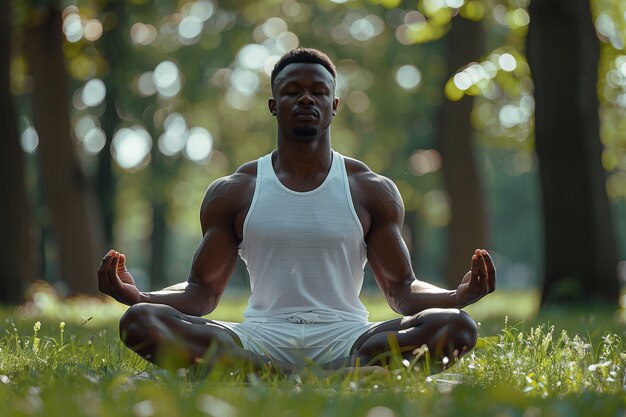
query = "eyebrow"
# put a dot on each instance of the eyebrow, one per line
(315, 83)
(327, 83)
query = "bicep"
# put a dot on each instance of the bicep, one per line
(216, 255)
(214, 259)
(387, 252)
(389, 258)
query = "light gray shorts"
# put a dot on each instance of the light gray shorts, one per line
(300, 343)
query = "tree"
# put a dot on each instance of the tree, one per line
(580, 249)
(77, 227)
(455, 136)
(113, 48)
(16, 251)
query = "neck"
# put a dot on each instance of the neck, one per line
(303, 160)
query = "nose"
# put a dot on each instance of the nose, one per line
(306, 98)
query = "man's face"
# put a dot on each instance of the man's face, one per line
(304, 100)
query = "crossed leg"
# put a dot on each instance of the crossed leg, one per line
(172, 340)
(448, 333)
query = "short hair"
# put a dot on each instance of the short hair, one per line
(303, 56)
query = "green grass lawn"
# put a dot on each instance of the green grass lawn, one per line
(65, 359)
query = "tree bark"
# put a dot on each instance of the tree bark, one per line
(158, 246)
(580, 247)
(16, 245)
(77, 226)
(112, 46)
(455, 136)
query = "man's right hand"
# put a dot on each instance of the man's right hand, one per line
(479, 281)
(115, 280)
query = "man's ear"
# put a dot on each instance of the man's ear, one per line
(271, 104)
(335, 105)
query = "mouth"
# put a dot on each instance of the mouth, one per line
(305, 114)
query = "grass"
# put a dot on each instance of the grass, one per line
(65, 359)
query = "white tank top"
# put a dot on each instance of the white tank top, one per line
(304, 251)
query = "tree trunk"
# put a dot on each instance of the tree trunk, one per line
(580, 247)
(16, 245)
(455, 134)
(158, 242)
(113, 50)
(76, 224)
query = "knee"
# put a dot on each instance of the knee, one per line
(137, 325)
(464, 331)
(454, 328)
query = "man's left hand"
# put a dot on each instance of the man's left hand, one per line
(479, 281)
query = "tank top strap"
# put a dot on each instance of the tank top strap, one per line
(264, 166)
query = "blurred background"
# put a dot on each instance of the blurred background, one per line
(502, 122)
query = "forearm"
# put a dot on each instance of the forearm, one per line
(185, 297)
(419, 296)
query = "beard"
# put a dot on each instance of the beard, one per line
(305, 131)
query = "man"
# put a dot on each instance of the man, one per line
(305, 220)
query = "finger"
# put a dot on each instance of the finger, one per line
(104, 260)
(104, 272)
(474, 272)
(114, 280)
(491, 271)
(482, 272)
(100, 272)
(122, 263)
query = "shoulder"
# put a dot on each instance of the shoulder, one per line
(232, 185)
(231, 192)
(369, 186)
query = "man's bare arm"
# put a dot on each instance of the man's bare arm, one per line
(390, 260)
(213, 261)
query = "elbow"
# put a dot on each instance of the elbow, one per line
(202, 301)
(207, 305)
(200, 311)
(398, 303)
(399, 293)
(400, 308)
(403, 300)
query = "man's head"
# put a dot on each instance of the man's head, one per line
(303, 88)
(303, 56)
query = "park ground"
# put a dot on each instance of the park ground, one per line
(65, 359)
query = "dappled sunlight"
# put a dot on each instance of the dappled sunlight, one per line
(180, 98)
(199, 145)
(131, 147)
(425, 161)
(172, 141)
(29, 140)
(166, 97)
(72, 25)
(167, 79)
(142, 34)
(94, 92)
(408, 77)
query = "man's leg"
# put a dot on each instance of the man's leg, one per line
(448, 333)
(170, 339)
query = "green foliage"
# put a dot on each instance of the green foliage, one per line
(49, 368)
(540, 362)
(380, 122)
